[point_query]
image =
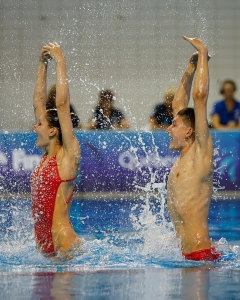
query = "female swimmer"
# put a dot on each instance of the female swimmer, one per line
(53, 180)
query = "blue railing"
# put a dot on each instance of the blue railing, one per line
(116, 161)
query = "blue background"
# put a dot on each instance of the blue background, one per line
(119, 161)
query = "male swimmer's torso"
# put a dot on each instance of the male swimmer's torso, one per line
(189, 196)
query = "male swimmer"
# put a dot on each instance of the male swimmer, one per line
(53, 180)
(190, 184)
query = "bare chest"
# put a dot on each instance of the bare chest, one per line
(182, 183)
(182, 172)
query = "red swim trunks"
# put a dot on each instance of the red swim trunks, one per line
(205, 254)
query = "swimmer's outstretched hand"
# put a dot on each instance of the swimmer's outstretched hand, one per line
(197, 43)
(54, 50)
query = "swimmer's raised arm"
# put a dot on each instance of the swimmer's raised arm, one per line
(62, 97)
(69, 139)
(200, 93)
(182, 95)
(40, 90)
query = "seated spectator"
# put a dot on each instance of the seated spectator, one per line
(50, 103)
(226, 112)
(105, 116)
(162, 115)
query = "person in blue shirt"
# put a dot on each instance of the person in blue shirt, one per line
(162, 114)
(226, 113)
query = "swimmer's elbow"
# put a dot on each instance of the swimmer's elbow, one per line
(200, 93)
(200, 96)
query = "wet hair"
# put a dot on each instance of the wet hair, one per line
(170, 91)
(52, 115)
(51, 98)
(53, 121)
(228, 81)
(106, 94)
(188, 116)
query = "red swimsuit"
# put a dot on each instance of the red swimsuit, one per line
(45, 182)
(205, 254)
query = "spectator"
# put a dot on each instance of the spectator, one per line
(162, 115)
(226, 113)
(105, 116)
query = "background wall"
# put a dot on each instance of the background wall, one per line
(134, 47)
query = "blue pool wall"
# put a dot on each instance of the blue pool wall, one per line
(114, 161)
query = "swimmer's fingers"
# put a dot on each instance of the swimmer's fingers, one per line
(196, 42)
(190, 40)
(54, 50)
(186, 38)
(50, 46)
(44, 51)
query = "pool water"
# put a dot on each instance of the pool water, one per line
(130, 252)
